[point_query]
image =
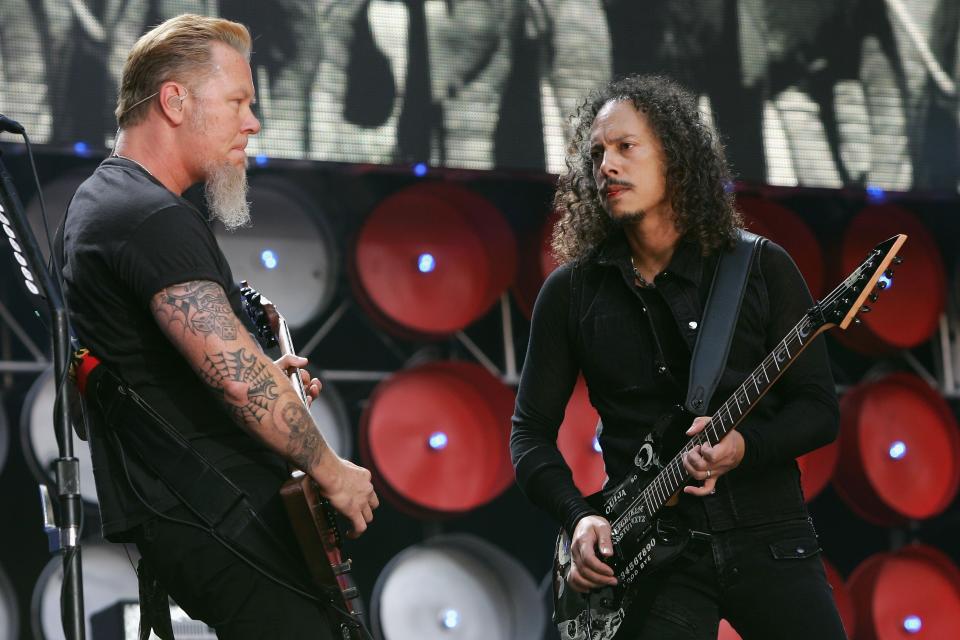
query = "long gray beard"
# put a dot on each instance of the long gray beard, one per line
(226, 194)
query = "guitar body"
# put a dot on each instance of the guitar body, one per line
(643, 544)
(313, 520)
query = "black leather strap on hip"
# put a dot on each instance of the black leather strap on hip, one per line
(719, 320)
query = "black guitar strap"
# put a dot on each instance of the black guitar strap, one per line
(719, 320)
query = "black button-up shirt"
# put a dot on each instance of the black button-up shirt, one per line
(633, 347)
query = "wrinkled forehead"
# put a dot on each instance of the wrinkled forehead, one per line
(616, 119)
(228, 71)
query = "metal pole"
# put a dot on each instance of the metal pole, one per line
(67, 466)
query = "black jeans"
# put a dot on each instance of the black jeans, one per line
(768, 581)
(211, 584)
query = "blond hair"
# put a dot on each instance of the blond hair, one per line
(178, 49)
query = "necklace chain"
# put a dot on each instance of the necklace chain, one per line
(117, 155)
(643, 282)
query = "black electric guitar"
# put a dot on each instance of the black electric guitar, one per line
(313, 518)
(640, 544)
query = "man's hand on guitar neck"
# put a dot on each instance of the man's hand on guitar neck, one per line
(587, 570)
(311, 385)
(707, 463)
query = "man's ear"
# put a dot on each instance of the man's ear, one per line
(172, 96)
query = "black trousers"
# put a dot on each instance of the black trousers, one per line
(767, 581)
(213, 585)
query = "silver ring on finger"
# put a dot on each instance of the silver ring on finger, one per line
(709, 473)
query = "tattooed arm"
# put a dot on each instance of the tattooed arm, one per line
(198, 320)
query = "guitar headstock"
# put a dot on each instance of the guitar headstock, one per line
(863, 285)
(262, 313)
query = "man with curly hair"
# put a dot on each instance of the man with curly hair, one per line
(646, 212)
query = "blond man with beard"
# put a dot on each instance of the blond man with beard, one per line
(152, 296)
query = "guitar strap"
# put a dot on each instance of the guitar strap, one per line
(719, 320)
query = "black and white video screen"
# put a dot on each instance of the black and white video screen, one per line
(825, 93)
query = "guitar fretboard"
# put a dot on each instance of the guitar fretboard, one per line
(674, 476)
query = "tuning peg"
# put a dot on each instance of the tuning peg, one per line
(882, 284)
(874, 297)
(857, 321)
(864, 309)
(897, 260)
(888, 273)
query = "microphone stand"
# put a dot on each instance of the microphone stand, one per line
(67, 466)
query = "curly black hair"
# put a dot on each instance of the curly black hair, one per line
(697, 175)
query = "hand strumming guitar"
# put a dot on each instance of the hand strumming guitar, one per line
(588, 571)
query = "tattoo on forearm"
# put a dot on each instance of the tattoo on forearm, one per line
(202, 308)
(247, 385)
(305, 446)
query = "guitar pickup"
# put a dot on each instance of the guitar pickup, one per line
(340, 569)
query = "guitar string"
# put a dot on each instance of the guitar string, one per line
(663, 492)
(674, 465)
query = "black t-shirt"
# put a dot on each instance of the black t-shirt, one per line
(125, 238)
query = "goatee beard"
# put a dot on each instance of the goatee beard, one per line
(626, 219)
(225, 192)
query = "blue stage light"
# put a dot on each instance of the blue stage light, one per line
(912, 624)
(898, 449)
(420, 169)
(886, 280)
(269, 259)
(261, 160)
(438, 440)
(426, 263)
(81, 148)
(875, 193)
(450, 618)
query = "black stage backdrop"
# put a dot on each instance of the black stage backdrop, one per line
(824, 93)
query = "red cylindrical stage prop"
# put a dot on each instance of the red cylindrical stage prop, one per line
(900, 451)
(534, 263)
(577, 441)
(909, 311)
(910, 593)
(841, 595)
(437, 438)
(787, 229)
(816, 469)
(431, 259)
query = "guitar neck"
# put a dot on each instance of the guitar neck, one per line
(286, 348)
(726, 418)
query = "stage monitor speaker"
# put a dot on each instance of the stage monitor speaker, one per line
(121, 621)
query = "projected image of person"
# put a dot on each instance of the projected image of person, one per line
(285, 61)
(58, 55)
(23, 67)
(699, 43)
(561, 50)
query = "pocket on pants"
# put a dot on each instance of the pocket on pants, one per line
(795, 548)
(792, 540)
